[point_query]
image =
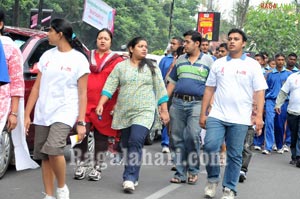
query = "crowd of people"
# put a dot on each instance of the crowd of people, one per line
(225, 102)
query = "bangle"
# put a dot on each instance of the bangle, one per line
(13, 113)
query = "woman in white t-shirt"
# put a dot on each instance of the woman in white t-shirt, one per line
(59, 96)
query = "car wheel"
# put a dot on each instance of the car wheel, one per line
(151, 137)
(6, 151)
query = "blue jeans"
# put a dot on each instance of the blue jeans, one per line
(133, 139)
(234, 134)
(185, 130)
(165, 137)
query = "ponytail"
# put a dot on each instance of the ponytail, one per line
(62, 25)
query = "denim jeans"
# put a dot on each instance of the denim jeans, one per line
(234, 134)
(185, 131)
(165, 137)
(133, 139)
(294, 124)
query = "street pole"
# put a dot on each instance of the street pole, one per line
(40, 13)
(171, 18)
(210, 5)
(16, 13)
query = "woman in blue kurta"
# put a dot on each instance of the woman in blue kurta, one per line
(141, 90)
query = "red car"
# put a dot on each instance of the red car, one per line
(33, 43)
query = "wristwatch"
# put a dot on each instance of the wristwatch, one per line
(81, 123)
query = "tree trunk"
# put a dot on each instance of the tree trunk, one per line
(241, 12)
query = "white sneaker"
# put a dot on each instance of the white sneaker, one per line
(227, 194)
(49, 197)
(63, 193)
(210, 190)
(274, 148)
(165, 149)
(265, 152)
(280, 151)
(257, 148)
(80, 172)
(95, 174)
(285, 148)
(128, 186)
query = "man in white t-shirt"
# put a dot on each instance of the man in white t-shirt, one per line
(292, 87)
(232, 80)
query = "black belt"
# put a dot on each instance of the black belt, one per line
(188, 98)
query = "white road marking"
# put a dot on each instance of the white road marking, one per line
(164, 191)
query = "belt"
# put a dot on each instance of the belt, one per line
(188, 98)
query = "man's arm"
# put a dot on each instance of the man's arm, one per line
(280, 100)
(260, 100)
(170, 88)
(208, 93)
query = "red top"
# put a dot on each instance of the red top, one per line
(95, 85)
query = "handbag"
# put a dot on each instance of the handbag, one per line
(157, 123)
(4, 75)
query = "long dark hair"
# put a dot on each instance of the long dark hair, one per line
(132, 43)
(2, 18)
(62, 25)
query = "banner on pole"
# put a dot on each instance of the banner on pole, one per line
(208, 25)
(98, 14)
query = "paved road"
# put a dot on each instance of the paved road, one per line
(270, 177)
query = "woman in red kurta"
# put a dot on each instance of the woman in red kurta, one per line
(102, 62)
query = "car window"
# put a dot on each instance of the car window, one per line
(18, 39)
(40, 48)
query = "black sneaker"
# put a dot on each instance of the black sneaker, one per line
(298, 163)
(293, 162)
(242, 177)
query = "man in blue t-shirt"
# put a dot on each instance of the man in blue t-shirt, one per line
(164, 66)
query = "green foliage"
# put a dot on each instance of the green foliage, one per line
(147, 18)
(158, 52)
(274, 30)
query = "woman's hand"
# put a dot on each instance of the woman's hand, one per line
(99, 109)
(27, 123)
(12, 122)
(81, 131)
(164, 117)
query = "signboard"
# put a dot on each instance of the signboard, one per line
(98, 14)
(46, 18)
(208, 25)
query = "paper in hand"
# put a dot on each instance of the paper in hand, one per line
(74, 140)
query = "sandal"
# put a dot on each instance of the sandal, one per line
(176, 180)
(192, 179)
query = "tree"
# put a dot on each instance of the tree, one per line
(239, 13)
(147, 18)
(274, 30)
